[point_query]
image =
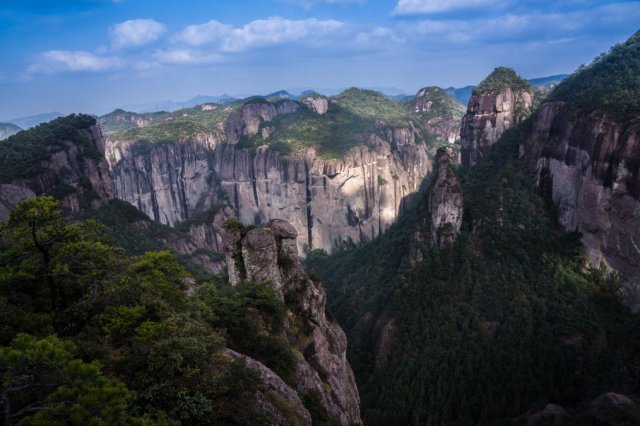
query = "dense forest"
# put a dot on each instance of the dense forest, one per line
(506, 320)
(91, 335)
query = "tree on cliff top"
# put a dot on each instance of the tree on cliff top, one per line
(500, 79)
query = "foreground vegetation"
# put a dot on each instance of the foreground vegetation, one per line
(89, 335)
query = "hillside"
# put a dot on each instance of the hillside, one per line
(521, 313)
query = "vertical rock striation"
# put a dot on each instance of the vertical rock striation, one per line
(270, 254)
(331, 203)
(588, 164)
(502, 100)
(445, 201)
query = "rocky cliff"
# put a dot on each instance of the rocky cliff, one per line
(439, 113)
(64, 158)
(588, 164)
(502, 100)
(332, 202)
(440, 218)
(583, 148)
(270, 255)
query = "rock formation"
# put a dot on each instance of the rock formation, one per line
(77, 173)
(316, 103)
(588, 165)
(445, 201)
(10, 196)
(331, 203)
(439, 113)
(443, 206)
(269, 254)
(499, 102)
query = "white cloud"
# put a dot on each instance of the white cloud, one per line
(211, 32)
(425, 7)
(377, 37)
(186, 57)
(526, 27)
(260, 33)
(135, 33)
(54, 61)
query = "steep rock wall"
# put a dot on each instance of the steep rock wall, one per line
(270, 254)
(589, 166)
(331, 203)
(79, 175)
(488, 116)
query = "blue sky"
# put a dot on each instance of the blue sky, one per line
(93, 55)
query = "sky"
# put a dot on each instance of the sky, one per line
(95, 55)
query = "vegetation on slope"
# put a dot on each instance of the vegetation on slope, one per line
(352, 116)
(22, 154)
(506, 320)
(500, 79)
(89, 335)
(169, 127)
(610, 84)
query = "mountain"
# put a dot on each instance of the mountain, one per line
(500, 101)
(34, 120)
(257, 348)
(502, 294)
(545, 84)
(8, 129)
(338, 168)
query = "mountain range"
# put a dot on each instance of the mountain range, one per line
(354, 258)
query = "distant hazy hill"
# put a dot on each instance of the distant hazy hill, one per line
(174, 106)
(34, 120)
(8, 129)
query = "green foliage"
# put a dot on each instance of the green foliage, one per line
(352, 116)
(253, 318)
(42, 384)
(22, 154)
(611, 84)
(506, 319)
(157, 332)
(500, 79)
(168, 127)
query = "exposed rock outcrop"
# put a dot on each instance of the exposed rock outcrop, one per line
(490, 113)
(10, 196)
(76, 173)
(445, 201)
(275, 398)
(270, 254)
(317, 103)
(589, 165)
(331, 203)
(439, 113)
(443, 206)
(247, 120)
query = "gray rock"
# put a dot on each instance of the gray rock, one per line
(445, 201)
(275, 398)
(269, 254)
(10, 196)
(488, 116)
(615, 409)
(588, 165)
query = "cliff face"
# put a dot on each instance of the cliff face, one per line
(76, 173)
(331, 203)
(445, 201)
(588, 164)
(439, 113)
(489, 114)
(270, 254)
(443, 206)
